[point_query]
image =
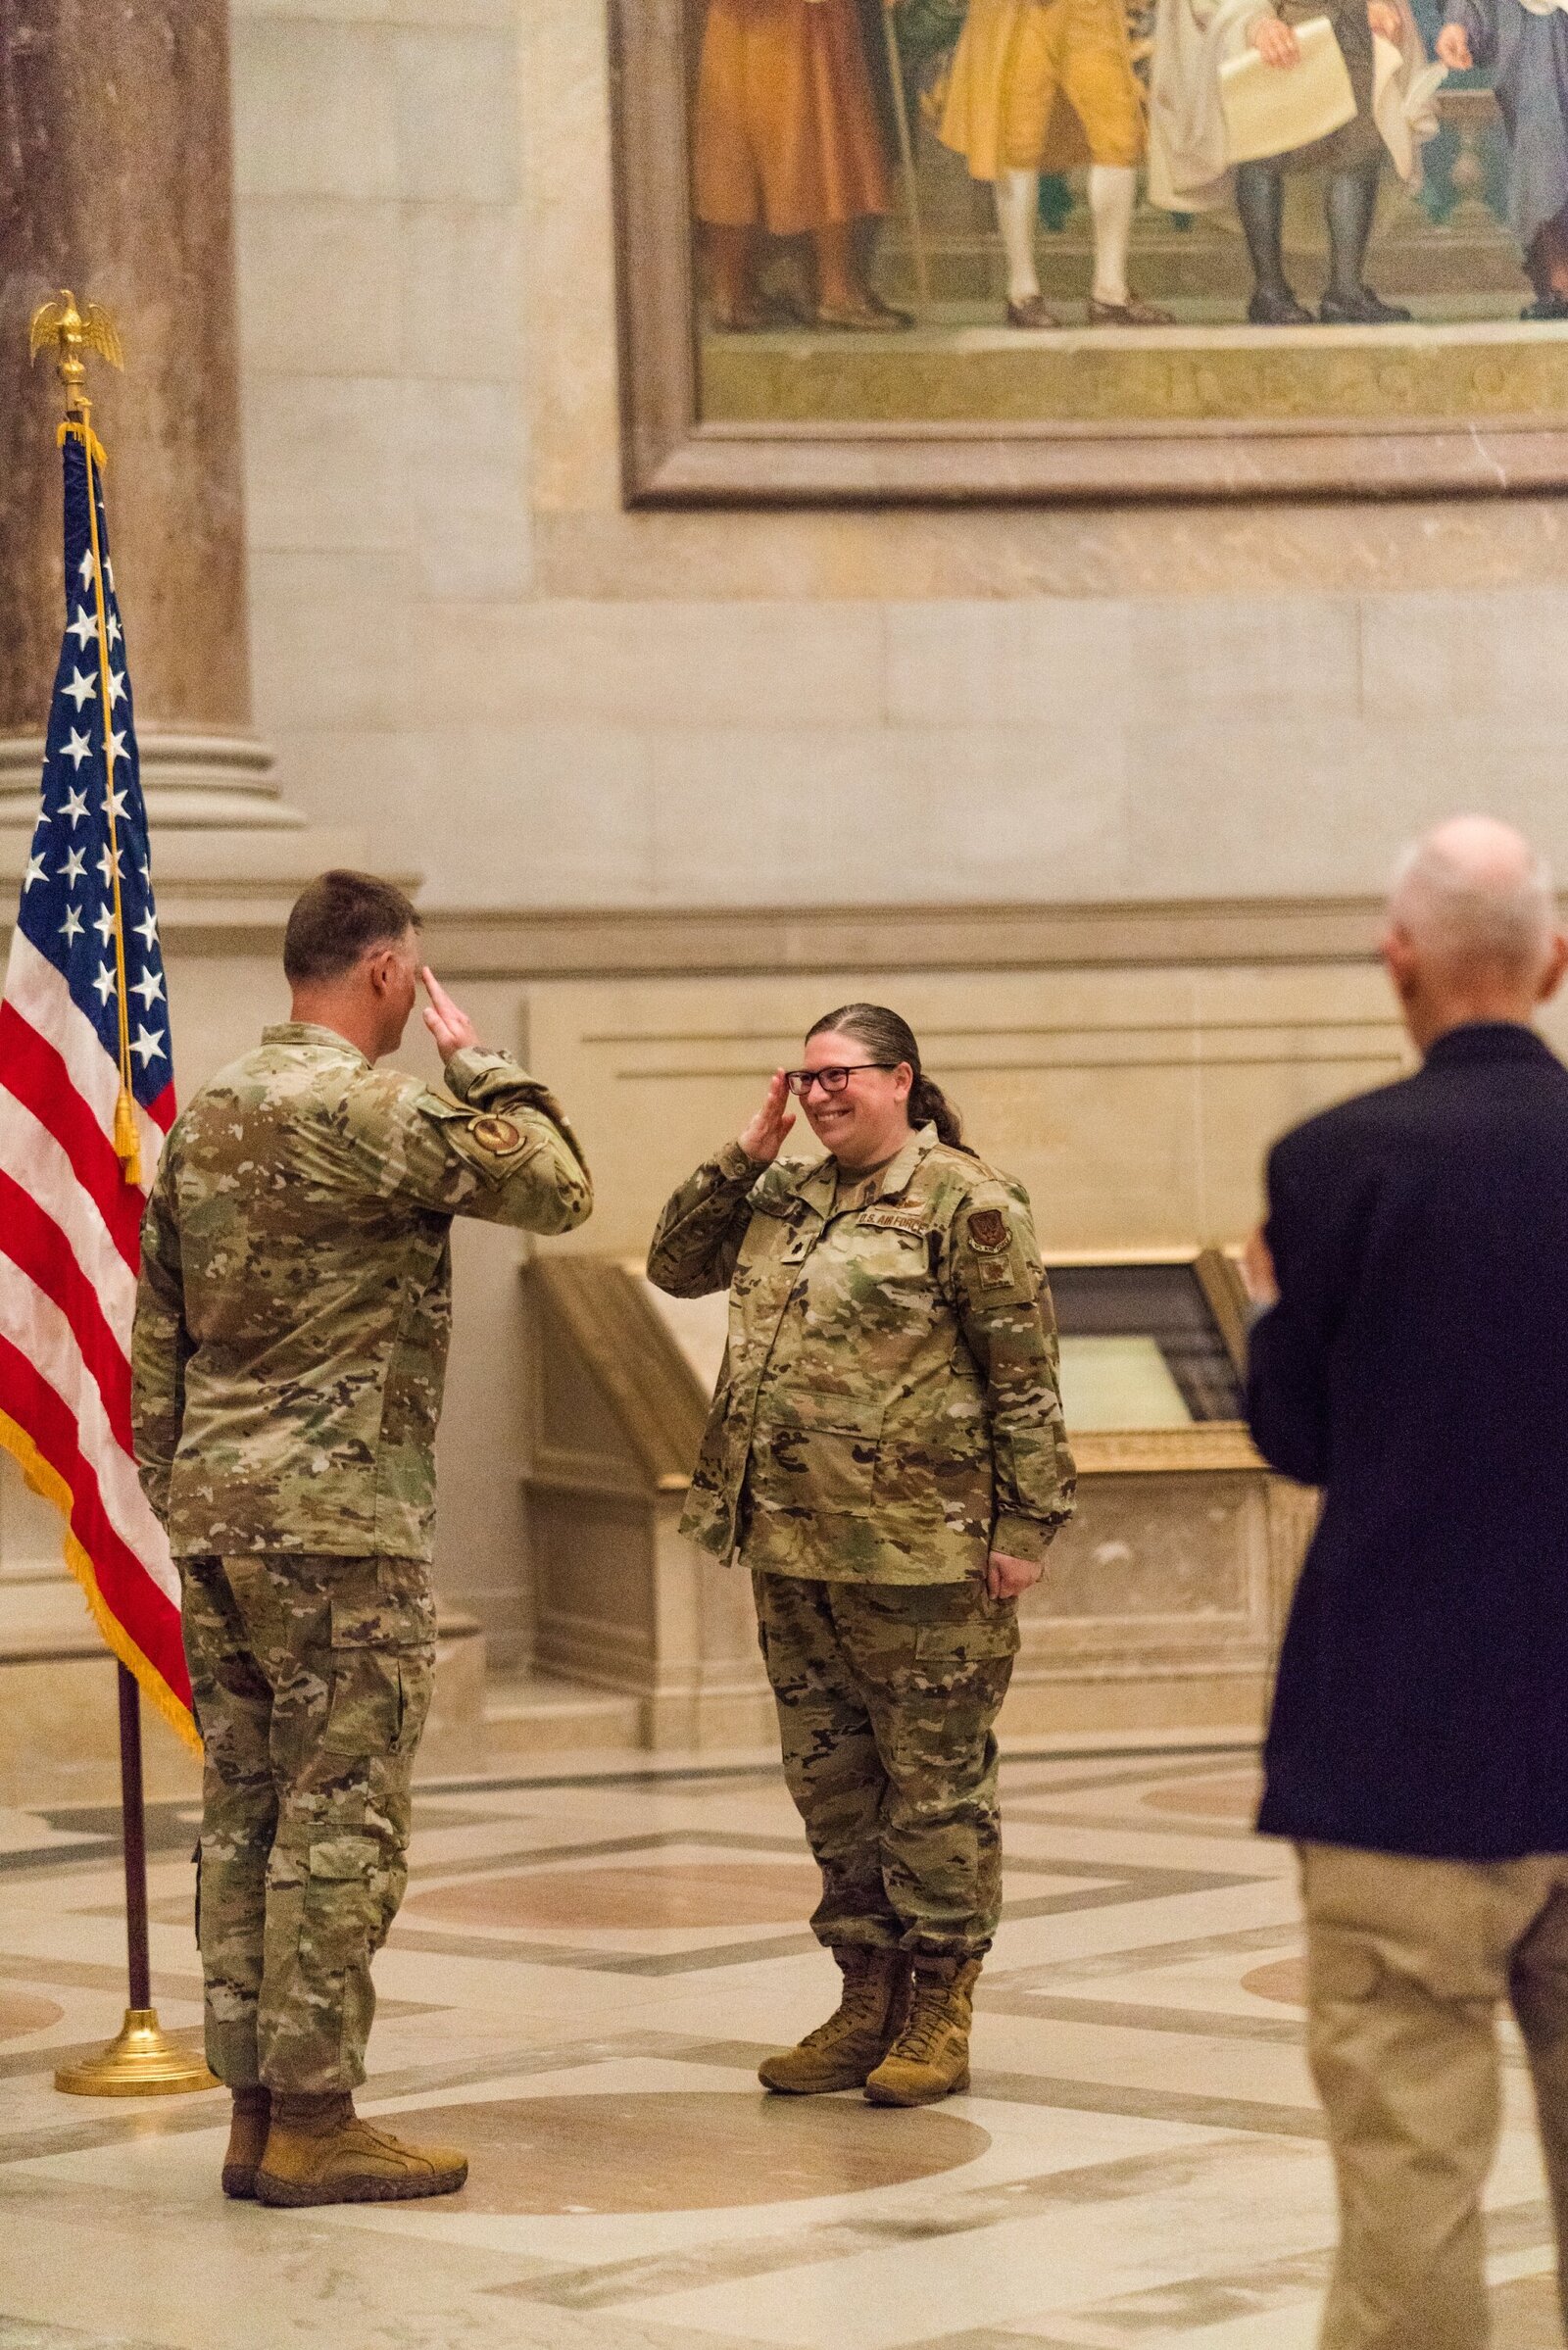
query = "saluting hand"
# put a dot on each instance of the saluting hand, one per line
(764, 1138)
(1453, 47)
(448, 1023)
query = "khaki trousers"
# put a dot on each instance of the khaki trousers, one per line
(1407, 1961)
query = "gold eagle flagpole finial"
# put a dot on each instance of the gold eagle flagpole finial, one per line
(72, 331)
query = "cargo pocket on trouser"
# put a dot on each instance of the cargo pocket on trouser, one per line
(382, 1660)
(319, 2007)
(942, 1830)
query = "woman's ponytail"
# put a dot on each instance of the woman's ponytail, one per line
(929, 1106)
(888, 1039)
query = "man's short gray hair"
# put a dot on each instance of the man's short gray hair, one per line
(1473, 895)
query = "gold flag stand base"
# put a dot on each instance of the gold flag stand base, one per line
(140, 2062)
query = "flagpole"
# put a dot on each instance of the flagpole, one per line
(140, 2061)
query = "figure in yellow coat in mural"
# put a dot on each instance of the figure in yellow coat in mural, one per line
(1041, 86)
(787, 140)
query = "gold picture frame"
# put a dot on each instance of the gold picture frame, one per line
(1504, 429)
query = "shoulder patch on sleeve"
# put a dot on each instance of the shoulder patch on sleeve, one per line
(988, 1230)
(497, 1134)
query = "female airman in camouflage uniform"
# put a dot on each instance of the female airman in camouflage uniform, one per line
(886, 1454)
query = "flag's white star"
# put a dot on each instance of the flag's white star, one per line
(70, 871)
(116, 747)
(84, 567)
(111, 627)
(74, 805)
(116, 804)
(109, 574)
(105, 981)
(83, 626)
(77, 749)
(70, 927)
(147, 930)
(149, 987)
(81, 688)
(104, 924)
(33, 873)
(149, 1046)
(116, 686)
(109, 867)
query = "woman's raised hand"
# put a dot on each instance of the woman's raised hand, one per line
(764, 1138)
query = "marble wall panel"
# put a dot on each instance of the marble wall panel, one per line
(573, 382)
(315, 107)
(557, 814)
(297, 256)
(1228, 657)
(680, 667)
(331, 631)
(465, 526)
(326, 463)
(457, 126)
(1466, 655)
(1033, 662)
(459, 269)
(978, 814)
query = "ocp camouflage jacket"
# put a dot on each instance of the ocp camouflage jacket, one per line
(295, 1297)
(888, 1408)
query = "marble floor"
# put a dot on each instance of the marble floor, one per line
(591, 1961)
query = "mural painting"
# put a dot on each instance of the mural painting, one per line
(1112, 213)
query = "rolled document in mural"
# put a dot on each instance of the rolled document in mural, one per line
(1272, 110)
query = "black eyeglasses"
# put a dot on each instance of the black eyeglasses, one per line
(831, 1081)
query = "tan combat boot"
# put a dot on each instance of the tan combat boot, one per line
(930, 2058)
(320, 2151)
(247, 2140)
(840, 2053)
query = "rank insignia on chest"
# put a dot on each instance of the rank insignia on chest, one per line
(988, 1230)
(497, 1134)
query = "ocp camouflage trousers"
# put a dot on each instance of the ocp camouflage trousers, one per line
(311, 1677)
(887, 1698)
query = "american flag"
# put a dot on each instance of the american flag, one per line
(84, 1034)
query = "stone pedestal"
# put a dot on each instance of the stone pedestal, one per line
(116, 179)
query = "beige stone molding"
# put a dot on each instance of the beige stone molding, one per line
(200, 780)
(693, 940)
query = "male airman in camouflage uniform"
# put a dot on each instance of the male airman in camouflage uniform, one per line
(886, 1429)
(290, 1347)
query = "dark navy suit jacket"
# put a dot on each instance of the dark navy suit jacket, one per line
(1416, 1368)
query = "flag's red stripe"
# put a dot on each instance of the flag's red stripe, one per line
(33, 1240)
(123, 1583)
(34, 1072)
(161, 1108)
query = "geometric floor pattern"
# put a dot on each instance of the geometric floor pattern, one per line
(591, 1961)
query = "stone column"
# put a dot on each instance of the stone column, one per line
(116, 181)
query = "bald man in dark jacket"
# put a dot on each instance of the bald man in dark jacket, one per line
(1413, 1363)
